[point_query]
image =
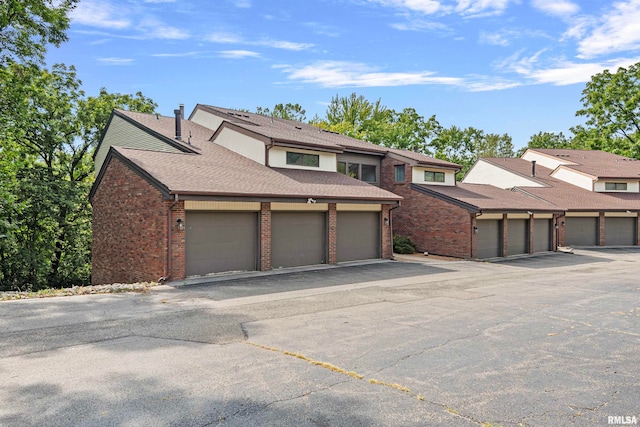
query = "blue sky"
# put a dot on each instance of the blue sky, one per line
(504, 66)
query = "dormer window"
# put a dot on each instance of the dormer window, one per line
(433, 176)
(303, 159)
(615, 186)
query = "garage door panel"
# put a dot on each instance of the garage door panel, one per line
(542, 238)
(489, 238)
(581, 231)
(620, 231)
(358, 236)
(517, 240)
(298, 238)
(220, 241)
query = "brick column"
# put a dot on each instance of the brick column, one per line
(265, 236)
(387, 242)
(333, 233)
(531, 235)
(177, 241)
(505, 235)
(638, 230)
(474, 236)
(601, 236)
(555, 231)
(562, 241)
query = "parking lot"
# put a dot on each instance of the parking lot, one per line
(535, 341)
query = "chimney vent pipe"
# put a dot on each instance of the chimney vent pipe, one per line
(178, 125)
(533, 168)
(182, 111)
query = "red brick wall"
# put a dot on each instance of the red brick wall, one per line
(434, 225)
(333, 233)
(129, 228)
(177, 239)
(265, 236)
(387, 243)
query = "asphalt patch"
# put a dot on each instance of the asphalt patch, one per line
(552, 261)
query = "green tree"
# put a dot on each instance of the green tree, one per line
(27, 26)
(551, 140)
(285, 111)
(611, 106)
(50, 134)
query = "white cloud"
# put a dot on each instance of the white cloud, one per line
(560, 8)
(244, 4)
(427, 7)
(618, 31)
(481, 8)
(165, 32)
(238, 54)
(177, 55)
(502, 38)
(468, 8)
(559, 72)
(101, 15)
(115, 61)
(333, 74)
(229, 38)
(421, 25)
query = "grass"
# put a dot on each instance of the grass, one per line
(78, 290)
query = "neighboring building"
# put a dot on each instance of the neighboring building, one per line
(448, 218)
(599, 191)
(228, 191)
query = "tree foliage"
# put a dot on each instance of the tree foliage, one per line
(49, 138)
(284, 111)
(611, 106)
(27, 26)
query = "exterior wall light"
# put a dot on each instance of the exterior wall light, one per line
(475, 229)
(386, 221)
(180, 224)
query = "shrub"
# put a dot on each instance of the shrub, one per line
(403, 245)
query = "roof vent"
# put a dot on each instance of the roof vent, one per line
(178, 125)
(533, 168)
(182, 111)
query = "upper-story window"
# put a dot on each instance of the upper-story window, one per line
(303, 159)
(366, 173)
(615, 186)
(399, 173)
(434, 176)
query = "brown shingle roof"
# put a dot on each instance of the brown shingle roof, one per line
(424, 159)
(219, 171)
(564, 194)
(597, 163)
(489, 198)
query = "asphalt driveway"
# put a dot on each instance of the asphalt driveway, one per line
(398, 344)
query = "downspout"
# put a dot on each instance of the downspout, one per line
(167, 270)
(474, 231)
(391, 229)
(266, 152)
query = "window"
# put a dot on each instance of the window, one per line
(399, 169)
(615, 186)
(434, 176)
(353, 170)
(366, 173)
(369, 173)
(302, 159)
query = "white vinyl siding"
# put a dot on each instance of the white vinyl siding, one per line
(574, 178)
(486, 173)
(418, 176)
(278, 159)
(632, 186)
(206, 119)
(244, 145)
(123, 134)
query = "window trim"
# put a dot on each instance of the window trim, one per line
(357, 175)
